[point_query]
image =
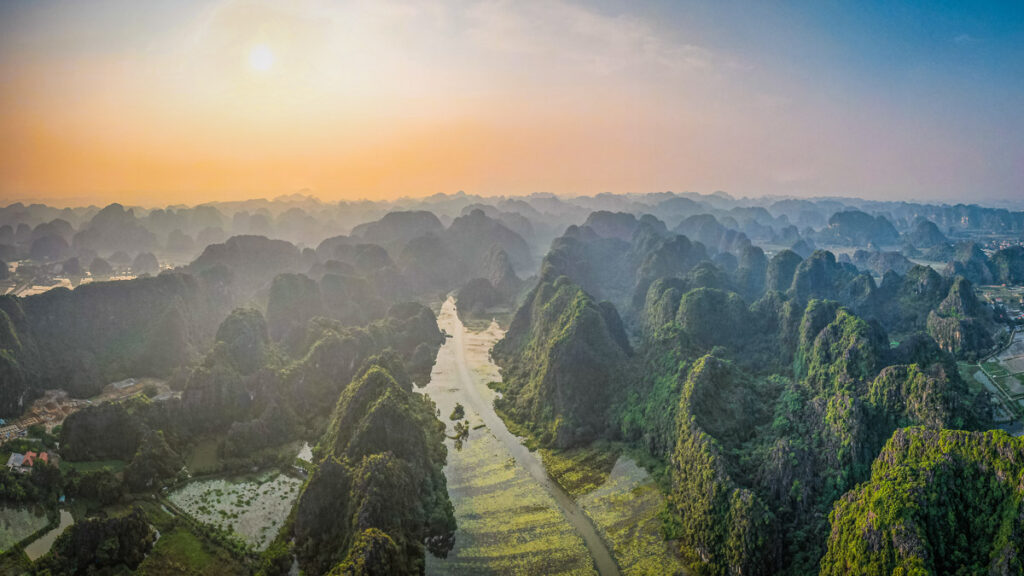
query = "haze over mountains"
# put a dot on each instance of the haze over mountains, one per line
(787, 370)
(485, 336)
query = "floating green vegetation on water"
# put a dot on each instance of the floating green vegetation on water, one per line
(627, 511)
(254, 509)
(458, 413)
(580, 470)
(507, 524)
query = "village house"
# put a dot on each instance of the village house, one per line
(25, 462)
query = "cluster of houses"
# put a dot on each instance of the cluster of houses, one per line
(24, 462)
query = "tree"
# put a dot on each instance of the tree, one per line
(154, 462)
(101, 545)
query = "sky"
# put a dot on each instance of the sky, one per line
(162, 102)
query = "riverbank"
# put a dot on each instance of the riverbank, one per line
(513, 516)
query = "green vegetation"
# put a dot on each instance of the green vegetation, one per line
(180, 551)
(507, 523)
(238, 410)
(102, 332)
(767, 413)
(42, 485)
(995, 369)
(758, 462)
(580, 471)
(18, 522)
(458, 413)
(187, 545)
(937, 502)
(378, 493)
(154, 462)
(115, 543)
(251, 509)
(562, 362)
(627, 508)
(757, 391)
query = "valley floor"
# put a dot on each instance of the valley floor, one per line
(512, 517)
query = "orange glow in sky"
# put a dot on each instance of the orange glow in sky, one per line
(163, 102)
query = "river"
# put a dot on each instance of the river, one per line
(461, 373)
(42, 545)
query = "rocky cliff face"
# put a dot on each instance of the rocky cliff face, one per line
(960, 325)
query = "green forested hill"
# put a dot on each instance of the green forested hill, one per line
(564, 364)
(378, 493)
(767, 413)
(937, 502)
(759, 459)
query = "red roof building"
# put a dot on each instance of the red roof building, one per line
(30, 458)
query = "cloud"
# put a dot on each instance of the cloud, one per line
(966, 40)
(577, 36)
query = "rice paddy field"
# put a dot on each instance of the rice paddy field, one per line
(1006, 372)
(253, 508)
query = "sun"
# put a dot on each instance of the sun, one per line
(261, 58)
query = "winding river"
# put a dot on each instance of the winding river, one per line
(461, 374)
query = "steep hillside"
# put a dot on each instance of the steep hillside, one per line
(99, 333)
(759, 460)
(378, 493)
(937, 502)
(563, 364)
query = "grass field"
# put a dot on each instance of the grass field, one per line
(83, 467)
(202, 458)
(180, 551)
(967, 372)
